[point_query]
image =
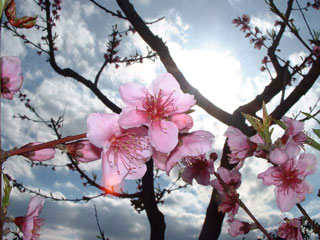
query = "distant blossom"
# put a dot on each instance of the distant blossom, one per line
(291, 229)
(237, 227)
(30, 223)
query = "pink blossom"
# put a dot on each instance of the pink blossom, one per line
(199, 168)
(316, 5)
(265, 60)
(291, 229)
(295, 130)
(229, 199)
(183, 121)
(259, 43)
(190, 145)
(229, 203)
(316, 49)
(229, 177)
(124, 152)
(30, 223)
(237, 21)
(11, 81)
(241, 147)
(153, 108)
(245, 18)
(237, 227)
(289, 178)
(39, 155)
(83, 151)
(277, 22)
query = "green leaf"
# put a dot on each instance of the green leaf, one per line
(317, 132)
(313, 144)
(2, 4)
(280, 124)
(7, 190)
(310, 116)
(256, 124)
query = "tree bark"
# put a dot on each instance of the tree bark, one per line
(155, 217)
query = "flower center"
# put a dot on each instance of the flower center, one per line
(128, 148)
(290, 178)
(157, 107)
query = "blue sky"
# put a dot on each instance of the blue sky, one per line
(213, 55)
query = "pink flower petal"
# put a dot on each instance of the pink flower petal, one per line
(268, 176)
(166, 83)
(10, 66)
(294, 126)
(112, 174)
(307, 164)
(203, 178)
(184, 122)
(163, 136)
(137, 173)
(187, 175)
(132, 94)
(101, 127)
(278, 156)
(285, 199)
(129, 118)
(160, 159)
(198, 142)
(35, 206)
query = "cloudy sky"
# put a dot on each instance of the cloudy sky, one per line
(213, 55)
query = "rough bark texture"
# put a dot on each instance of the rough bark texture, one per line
(155, 217)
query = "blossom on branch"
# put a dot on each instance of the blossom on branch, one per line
(30, 223)
(83, 151)
(237, 227)
(294, 131)
(291, 229)
(198, 168)
(124, 151)
(289, 178)
(39, 155)
(153, 108)
(190, 145)
(11, 81)
(240, 145)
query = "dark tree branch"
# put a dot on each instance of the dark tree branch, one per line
(162, 50)
(276, 84)
(99, 73)
(155, 217)
(303, 87)
(67, 72)
(117, 14)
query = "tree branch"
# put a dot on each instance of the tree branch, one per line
(67, 72)
(155, 217)
(162, 50)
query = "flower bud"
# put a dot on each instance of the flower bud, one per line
(183, 121)
(39, 155)
(83, 151)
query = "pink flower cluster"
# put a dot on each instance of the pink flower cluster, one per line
(153, 123)
(287, 173)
